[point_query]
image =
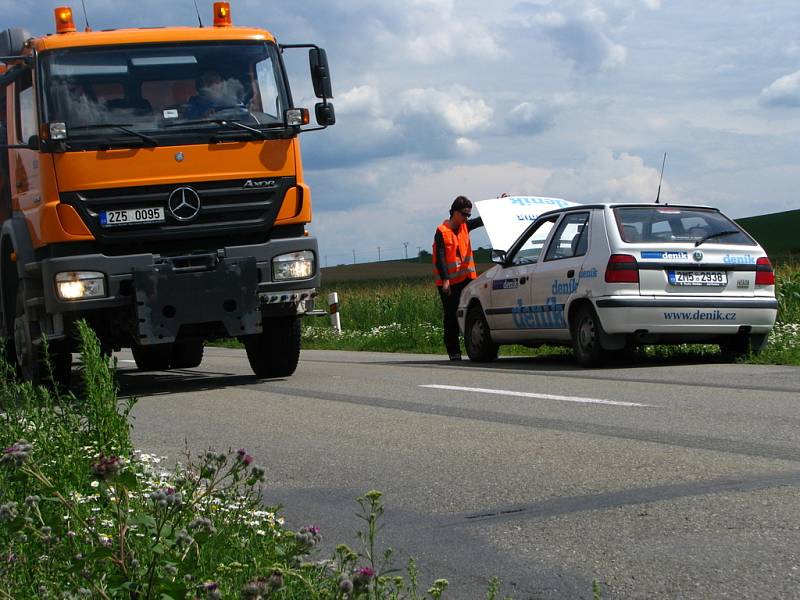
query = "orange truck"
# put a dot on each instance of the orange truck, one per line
(152, 185)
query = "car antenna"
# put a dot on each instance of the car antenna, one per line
(197, 10)
(85, 16)
(658, 195)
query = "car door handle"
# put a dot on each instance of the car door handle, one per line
(522, 280)
(571, 273)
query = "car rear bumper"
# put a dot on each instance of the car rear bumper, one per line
(626, 314)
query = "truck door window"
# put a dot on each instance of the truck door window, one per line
(26, 114)
(267, 99)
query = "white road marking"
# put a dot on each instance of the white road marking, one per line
(457, 388)
(127, 360)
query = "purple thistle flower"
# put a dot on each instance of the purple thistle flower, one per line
(365, 572)
(16, 454)
(106, 467)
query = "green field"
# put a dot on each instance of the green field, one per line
(777, 233)
(401, 312)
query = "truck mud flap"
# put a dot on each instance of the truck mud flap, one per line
(168, 298)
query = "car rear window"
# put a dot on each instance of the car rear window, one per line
(664, 224)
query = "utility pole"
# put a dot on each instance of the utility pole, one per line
(379, 254)
(354, 256)
(405, 245)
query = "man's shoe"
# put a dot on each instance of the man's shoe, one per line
(455, 357)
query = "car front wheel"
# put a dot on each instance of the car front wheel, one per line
(586, 337)
(477, 337)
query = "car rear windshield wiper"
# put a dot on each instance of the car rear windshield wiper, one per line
(226, 123)
(717, 234)
(122, 127)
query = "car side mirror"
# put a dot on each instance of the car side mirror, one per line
(325, 113)
(499, 256)
(320, 73)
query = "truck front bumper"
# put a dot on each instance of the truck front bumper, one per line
(163, 293)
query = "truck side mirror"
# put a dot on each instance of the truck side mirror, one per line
(324, 113)
(33, 143)
(12, 41)
(320, 73)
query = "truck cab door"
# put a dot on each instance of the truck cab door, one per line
(24, 163)
(557, 277)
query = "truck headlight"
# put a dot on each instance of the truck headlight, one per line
(80, 285)
(295, 265)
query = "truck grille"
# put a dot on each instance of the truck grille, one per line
(227, 209)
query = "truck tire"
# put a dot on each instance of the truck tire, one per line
(152, 358)
(276, 351)
(585, 330)
(187, 355)
(53, 369)
(477, 337)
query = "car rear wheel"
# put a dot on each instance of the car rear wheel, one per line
(477, 337)
(739, 346)
(585, 332)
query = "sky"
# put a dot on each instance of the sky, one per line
(577, 99)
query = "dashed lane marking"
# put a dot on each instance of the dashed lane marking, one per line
(458, 388)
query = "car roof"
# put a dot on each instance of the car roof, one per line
(578, 207)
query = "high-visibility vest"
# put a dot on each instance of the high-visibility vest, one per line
(457, 255)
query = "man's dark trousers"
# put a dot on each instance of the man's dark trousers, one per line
(450, 322)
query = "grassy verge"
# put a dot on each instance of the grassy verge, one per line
(84, 515)
(405, 316)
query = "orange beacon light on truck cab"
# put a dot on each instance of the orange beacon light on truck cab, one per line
(64, 20)
(222, 14)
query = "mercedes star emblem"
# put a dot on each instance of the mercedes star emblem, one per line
(184, 204)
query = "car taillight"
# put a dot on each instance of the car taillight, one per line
(622, 268)
(764, 273)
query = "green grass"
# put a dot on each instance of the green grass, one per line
(405, 315)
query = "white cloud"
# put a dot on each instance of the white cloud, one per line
(784, 91)
(605, 177)
(531, 118)
(582, 37)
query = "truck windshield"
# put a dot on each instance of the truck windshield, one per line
(664, 224)
(156, 88)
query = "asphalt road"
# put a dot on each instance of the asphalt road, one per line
(669, 480)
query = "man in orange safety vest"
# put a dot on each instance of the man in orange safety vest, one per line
(454, 266)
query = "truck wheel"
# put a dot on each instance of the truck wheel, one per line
(152, 358)
(585, 329)
(187, 355)
(276, 351)
(33, 365)
(477, 337)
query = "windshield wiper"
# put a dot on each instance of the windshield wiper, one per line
(713, 235)
(122, 127)
(226, 123)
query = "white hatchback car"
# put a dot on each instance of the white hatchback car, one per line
(607, 277)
